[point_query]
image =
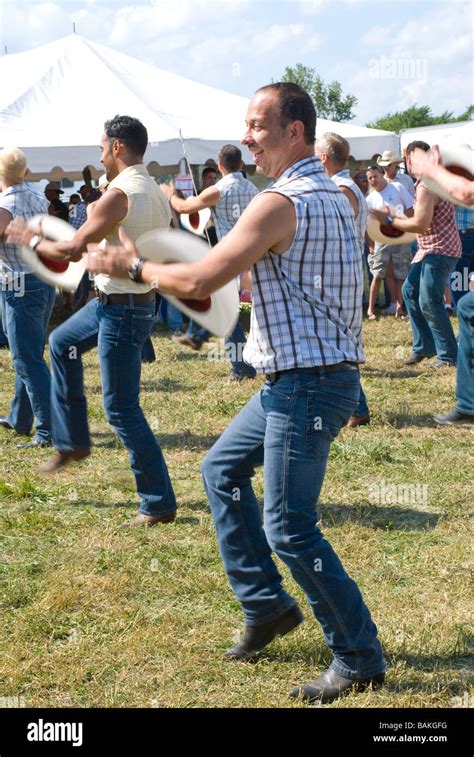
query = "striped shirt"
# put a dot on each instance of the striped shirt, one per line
(464, 218)
(24, 201)
(236, 193)
(343, 179)
(442, 236)
(148, 209)
(77, 214)
(307, 302)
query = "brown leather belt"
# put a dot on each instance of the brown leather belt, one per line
(124, 299)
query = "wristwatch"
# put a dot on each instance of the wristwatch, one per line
(35, 241)
(135, 270)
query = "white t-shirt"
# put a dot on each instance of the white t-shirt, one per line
(393, 194)
(408, 183)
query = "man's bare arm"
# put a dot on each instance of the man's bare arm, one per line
(430, 165)
(268, 223)
(207, 199)
(108, 212)
(5, 218)
(352, 199)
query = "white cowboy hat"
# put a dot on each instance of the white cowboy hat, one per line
(219, 312)
(387, 234)
(459, 160)
(388, 157)
(196, 222)
(64, 275)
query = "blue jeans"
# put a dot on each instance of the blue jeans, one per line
(172, 317)
(120, 332)
(464, 266)
(465, 371)
(197, 332)
(362, 408)
(288, 427)
(423, 292)
(234, 345)
(27, 314)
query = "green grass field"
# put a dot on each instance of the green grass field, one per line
(94, 616)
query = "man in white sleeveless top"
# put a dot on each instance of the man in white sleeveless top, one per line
(227, 200)
(118, 321)
(299, 237)
(333, 152)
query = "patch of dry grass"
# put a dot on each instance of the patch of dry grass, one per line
(93, 616)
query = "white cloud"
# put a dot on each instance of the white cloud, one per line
(427, 61)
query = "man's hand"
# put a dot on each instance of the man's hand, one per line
(18, 233)
(423, 163)
(115, 261)
(381, 215)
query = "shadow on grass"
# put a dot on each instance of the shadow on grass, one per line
(187, 440)
(376, 372)
(165, 385)
(378, 516)
(183, 357)
(402, 420)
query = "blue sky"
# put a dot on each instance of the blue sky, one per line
(390, 55)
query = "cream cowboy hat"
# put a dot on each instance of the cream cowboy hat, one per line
(388, 157)
(196, 222)
(62, 274)
(384, 233)
(219, 312)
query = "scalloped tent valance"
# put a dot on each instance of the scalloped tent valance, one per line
(54, 100)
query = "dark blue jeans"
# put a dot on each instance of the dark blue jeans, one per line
(234, 346)
(288, 427)
(119, 331)
(465, 371)
(423, 292)
(464, 266)
(28, 305)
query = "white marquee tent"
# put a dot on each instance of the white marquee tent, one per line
(54, 100)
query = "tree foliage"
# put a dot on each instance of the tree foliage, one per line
(328, 98)
(417, 116)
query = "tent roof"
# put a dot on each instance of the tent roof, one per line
(54, 100)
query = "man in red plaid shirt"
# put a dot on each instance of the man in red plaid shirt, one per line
(439, 247)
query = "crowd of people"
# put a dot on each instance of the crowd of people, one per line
(303, 240)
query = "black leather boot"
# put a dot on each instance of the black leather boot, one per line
(256, 638)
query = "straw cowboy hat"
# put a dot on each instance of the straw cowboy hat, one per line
(388, 157)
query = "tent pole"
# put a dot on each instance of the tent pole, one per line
(185, 155)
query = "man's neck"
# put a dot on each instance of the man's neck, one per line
(299, 155)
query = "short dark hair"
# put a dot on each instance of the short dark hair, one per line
(208, 170)
(231, 157)
(128, 130)
(295, 105)
(374, 168)
(418, 144)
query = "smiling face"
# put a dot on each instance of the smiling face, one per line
(266, 139)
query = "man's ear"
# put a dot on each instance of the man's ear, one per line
(296, 131)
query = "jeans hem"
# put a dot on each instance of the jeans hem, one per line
(341, 670)
(142, 511)
(268, 618)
